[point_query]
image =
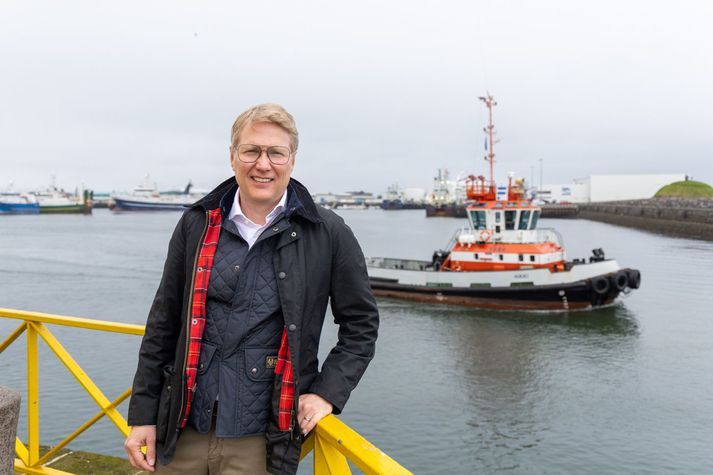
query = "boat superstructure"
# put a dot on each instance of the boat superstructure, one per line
(502, 259)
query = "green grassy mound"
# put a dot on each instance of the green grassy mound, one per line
(685, 189)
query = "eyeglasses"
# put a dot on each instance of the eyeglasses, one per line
(277, 154)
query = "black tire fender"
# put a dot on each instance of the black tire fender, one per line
(634, 278)
(600, 285)
(620, 280)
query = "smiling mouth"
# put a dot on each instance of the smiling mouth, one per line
(262, 180)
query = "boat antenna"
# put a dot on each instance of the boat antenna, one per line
(489, 103)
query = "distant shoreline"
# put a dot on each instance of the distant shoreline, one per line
(680, 217)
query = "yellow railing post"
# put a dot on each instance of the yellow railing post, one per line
(328, 460)
(33, 403)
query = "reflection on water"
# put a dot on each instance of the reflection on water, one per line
(515, 370)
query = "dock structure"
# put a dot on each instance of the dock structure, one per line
(558, 210)
(334, 444)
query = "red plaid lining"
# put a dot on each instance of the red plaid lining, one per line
(200, 291)
(287, 391)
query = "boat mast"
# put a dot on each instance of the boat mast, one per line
(489, 103)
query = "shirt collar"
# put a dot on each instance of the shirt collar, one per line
(236, 211)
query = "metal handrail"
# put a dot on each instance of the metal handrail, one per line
(333, 441)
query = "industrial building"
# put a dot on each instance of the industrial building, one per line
(598, 188)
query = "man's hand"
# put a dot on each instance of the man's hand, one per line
(138, 437)
(311, 410)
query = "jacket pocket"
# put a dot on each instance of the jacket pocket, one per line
(260, 363)
(164, 403)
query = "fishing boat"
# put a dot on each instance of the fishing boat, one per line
(445, 199)
(146, 197)
(502, 260)
(18, 203)
(54, 200)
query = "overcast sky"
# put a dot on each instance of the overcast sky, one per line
(103, 93)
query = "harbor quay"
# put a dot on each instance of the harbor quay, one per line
(680, 217)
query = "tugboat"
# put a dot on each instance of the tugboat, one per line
(502, 260)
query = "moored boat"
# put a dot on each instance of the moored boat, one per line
(502, 260)
(18, 203)
(146, 197)
(56, 201)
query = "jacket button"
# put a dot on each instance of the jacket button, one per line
(281, 275)
(275, 229)
(237, 268)
(253, 371)
(292, 327)
(200, 269)
(293, 234)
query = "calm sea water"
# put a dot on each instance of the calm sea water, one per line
(626, 389)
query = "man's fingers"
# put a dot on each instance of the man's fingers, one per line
(139, 461)
(151, 451)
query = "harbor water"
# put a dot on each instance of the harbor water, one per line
(624, 389)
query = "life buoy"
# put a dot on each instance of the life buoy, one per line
(485, 235)
(600, 285)
(620, 280)
(456, 267)
(634, 278)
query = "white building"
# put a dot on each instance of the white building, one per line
(597, 188)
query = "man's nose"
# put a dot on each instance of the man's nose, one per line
(263, 161)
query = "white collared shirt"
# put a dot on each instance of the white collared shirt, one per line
(249, 230)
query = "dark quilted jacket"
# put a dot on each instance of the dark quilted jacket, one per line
(242, 334)
(317, 261)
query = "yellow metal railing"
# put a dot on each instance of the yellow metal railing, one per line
(333, 441)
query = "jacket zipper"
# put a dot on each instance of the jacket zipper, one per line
(188, 322)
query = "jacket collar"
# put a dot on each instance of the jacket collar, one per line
(299, 201)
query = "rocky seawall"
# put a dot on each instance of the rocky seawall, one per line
(689, 218)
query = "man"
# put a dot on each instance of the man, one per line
(228, 378)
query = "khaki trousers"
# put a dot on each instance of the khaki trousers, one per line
(206, 454)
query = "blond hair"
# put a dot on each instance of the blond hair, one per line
(270, 113)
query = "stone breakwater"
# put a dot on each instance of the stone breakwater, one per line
(689, 218)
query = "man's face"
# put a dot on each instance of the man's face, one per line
(262, 183)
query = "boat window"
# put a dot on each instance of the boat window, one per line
(498, 216)
(520, 257)
(475, 256)
(501, 257)
(532, 258)
(535, 216)
(510, 220)
(510, 205)
(524, 218)
(478, 219)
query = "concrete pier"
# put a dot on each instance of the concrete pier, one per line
(9, 413)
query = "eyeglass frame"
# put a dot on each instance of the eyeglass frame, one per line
(263, 150)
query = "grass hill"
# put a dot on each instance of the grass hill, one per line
(685, 189)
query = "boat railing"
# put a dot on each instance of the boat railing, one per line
(549, 235)
(335, 444)
(456, 234)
